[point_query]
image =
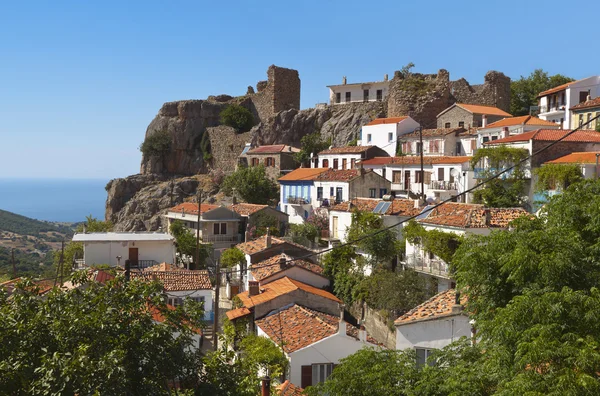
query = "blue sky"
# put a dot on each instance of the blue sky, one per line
(80, 81)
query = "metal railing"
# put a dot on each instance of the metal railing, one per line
(221, 238)
(442, 185)
(296, 200)
(141, 263)
(430, 266)
(552, 107)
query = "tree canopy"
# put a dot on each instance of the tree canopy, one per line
(252, 184)
(238, 117)
(524, 91)
(311, 144)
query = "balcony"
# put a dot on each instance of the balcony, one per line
(221, 238)
(435, 267)
(443, 185)
(552, 108)
(297, 201)
(140, 263)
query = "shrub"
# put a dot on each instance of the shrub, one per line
(238, 117)
(156, 145)
(252, 185)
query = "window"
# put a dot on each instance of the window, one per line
(494, 138)
(344, 163)
(331, 191)
(325, 163)
(447, 125)
(255, 162)
(451, 177)
(220, 228)
(383, 173)
(461, 124)
(458, 148)
(269, 161)
(320, 372)
(423, 355)
(368, 138)
(419, 147)
(319, 193)
(418, 176)
(589, 118)
(338, 97)
(365, 95)
(382, 192)
(583, 96)
(390, 137)
(434, 146)
(336, 163)
(379, 95)
(347, 97)
(440, 174)
(580, 119)
(486, 139)
(338, 194)
(352, 163)
(372, 193)
(199, 299)
(396, 176)
(175, 301)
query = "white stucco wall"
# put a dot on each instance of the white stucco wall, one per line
(340, 158)
(107, 252)
(380, 134)
(435, 333)
(304, 276)
(207, 294)
(356, 91)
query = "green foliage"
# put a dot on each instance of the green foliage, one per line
(14, 223)
(556, 176)
(252, 184)
(382, 247)
(262, 221)
(406, 69)
(442, 244)
(156, 145)
(311, 144)
(353, 142)
(261, 354)
(500, 157)
(237, 117)
(94, 340)
(524, 91)
(342, 266)
(597, 125)
(186, 244)
(27, 264)
(232, 257)
(303, 234)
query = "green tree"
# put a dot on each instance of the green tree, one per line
(186, 244)
(381, 247)
(252, 184)
(344, 268)
(311, 144)
(525, 90)
(237, 117)
(303, 234)
(262, 221)
(157, 144)
(260, 354)
(556, 176)
(101, 339)
(232, 257)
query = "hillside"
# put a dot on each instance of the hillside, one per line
(17, 224)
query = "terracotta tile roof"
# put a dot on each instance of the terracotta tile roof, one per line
(471, 216)
(587, 104)
(389, 120)
(415, 160)
(44, 285)
(157, 316)
(192, 208)
(238, 313)
(346, 150)
(556, 89)
(437, 306)
(523, 120)
(398, 207)
(289, 389)
(279, 288)
(588, 157)
(488, 110)
(177, 280)
(258, 244)
(303, 174)
(273, 149)
(296, 327)
(164, 267)
(452, 160)
(433, 132)
(270, 266)
(340, 175)
(583, 136)
(246, 209)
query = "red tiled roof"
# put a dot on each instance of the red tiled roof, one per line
(488, 110)
(523, 120)
(588, 157)
(587, 104)
(584, 136)
(279, 288)
(433, 132)
(398, 207)
(389, 120)
(289, 389)
(416, 160)
(437, 306)
(303, 174)
(270, 266)
(471, 216)
(346, 150)
(192, 208)
(340, 175)
(296, 327)
(164, 267)
(177, 280)
(273, 149)
(452, 160)
(259, 244)
(246, 209)
(238, 313)
(556, 89)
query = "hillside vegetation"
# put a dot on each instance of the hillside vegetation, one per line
(22, 225)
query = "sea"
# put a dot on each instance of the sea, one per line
(60, 200)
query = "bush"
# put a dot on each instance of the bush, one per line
(252, 184)
(156, 145)
(238, 117)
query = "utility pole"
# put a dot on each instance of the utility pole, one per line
(14, 266)
(197, 264)
(62, 255)
(422, 172)
(216, 309)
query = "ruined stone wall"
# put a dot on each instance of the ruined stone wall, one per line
(226, 146)
(280, 92)
(495, 91)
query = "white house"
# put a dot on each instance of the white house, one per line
(284, 265)
(296, 193)
(375, 91)
(345, 157)
(460, 219)
(554, 104)
(432, 325)
(437, 142)
(313, 341)
(385, 132)
(335, 186)
(141, 249)
(511, 126)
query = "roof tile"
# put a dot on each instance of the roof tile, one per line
(270, 266)
(273, 149)
(433, 132)
(192, 208)
(398, 207)
(247, 209)
(389, 120)
(587, 104)
(341, 175)
(588, 157)
(479, 109)
(437, 306)
(289, 389)
(301, 174)
(346, 150)
(584, 136)
(177, 280)
(523, 120)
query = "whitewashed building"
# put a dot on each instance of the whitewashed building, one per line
(345, 157)
(554, 104)
(511, 126)
(364, 92)
(140, 249)
(385, 132)
(296, 193)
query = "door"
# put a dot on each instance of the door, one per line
(334, 226)
(133, 256)
(407, 180)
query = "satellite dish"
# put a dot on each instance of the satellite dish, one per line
(454, 173)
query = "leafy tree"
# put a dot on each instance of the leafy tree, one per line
(303, 234)
(237, 117)
(442, 244)
(252, 184)
(262, 221)
(100, 339)
(525, 90)
(232, 257)
(311, 144)
(260, 354)
(156, 145)
(382, 247)
(556, 176)
(597, 125)
(186, 244)
(344, 268)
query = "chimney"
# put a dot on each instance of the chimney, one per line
(483, 120)
(457, 307)
(361, 170)
(268, 238)
(283, 263)
(362, 334)
(417, 204)
(234, 200)
(385, 77)
(247, 233)
(342, 325)
(84, 228)
(182, 212)
(253, 288)
(349, 206)
(588, 97)
(265, 389)
(344, 80)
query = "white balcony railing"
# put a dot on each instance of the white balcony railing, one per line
(442, 185)
(221, 238)
(434, 266)
(553, 107)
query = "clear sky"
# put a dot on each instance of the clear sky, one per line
(81, 80)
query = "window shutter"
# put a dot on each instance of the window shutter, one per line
(306, 375)
(267, 161)
(473, 144)
(427, 177)
(216, 229)
(223, 228)
(432, 146)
